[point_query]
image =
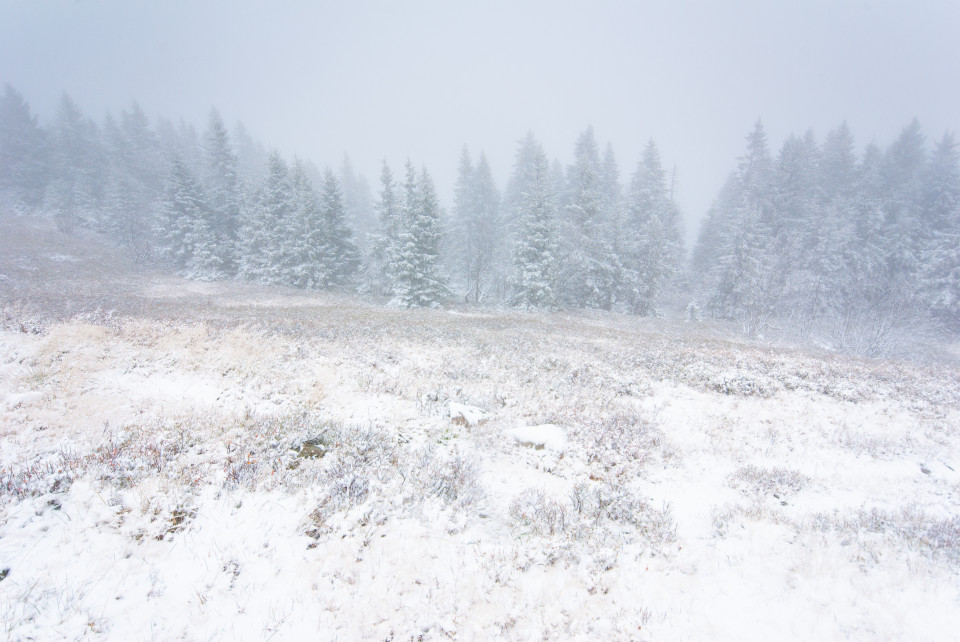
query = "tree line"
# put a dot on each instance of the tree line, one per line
(840, 245)
(850, 248)
(215, 205)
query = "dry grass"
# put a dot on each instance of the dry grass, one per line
(159, 392)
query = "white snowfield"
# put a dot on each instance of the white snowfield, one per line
(226, 467)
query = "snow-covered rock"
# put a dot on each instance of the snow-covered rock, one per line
(547, 436)
(465, 415)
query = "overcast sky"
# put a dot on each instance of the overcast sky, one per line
(420, 79)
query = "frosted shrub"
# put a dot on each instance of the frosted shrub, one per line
(743, 384)
(454, 479)
(618, 505)
(348, 483)
(909, 528)
(917, 530)
(778, 482)
(358, 458)
(534, 512)
(53, 475)
(593, 513)
(622, 437)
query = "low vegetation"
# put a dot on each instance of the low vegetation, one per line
(227, 460)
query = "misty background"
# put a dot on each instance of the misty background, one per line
(245, 394)
(421, 79)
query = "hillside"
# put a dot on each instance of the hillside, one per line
(186, 460)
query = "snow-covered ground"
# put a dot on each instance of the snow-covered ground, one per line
(217, 461)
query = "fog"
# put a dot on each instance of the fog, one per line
(709, 389)
(421, 79)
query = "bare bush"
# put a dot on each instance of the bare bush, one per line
(879, 321)
(456, 481)
(779, 482)
(454, 478)
(910, 525)
(621, 437)
(52, 474)
(534, 512)
(591, 512)
(743, 384)
(360, 459)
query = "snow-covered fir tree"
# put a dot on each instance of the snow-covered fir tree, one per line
(903, 169)
(477, 236)
(386, 242)
(741, 284)
(459, 238)
(358, 205)
(136, 181)
(650, 246)
(522, 179)
(535, 250)
(941, 232)
(803, 230)
(68, 194)
(308, 269)
(341, 255)
(23, 152)
(251, 157)
(267, 252)
(415, 269)
(180, 223)
(182, 141)
(222, 192)
(589, 268)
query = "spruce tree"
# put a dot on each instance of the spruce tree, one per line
(268, 248)
(251, 157)
(838, 172)
(387, 240)
(477, 234)
(589, 268)
(180, 208)
(610, 189)
(417, 280)
(308, 267)
(222, 192)
(23, 151)
(941, 232)
(804, 234)
(650, 252)
(358, 205)
(741, 284)
(535, 251)
(136, 181)
(180, 141)
(902, 173)
(522, 178)
(490, 253)
(460, 238)
(341, 256)
(69, 151)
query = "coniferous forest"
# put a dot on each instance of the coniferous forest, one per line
(846, 245)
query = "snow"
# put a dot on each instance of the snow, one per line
(468, 415)
(16, 399)
(62, 258)
(609, 481)
(545, 436)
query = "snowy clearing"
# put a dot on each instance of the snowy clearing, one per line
(218, 461)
